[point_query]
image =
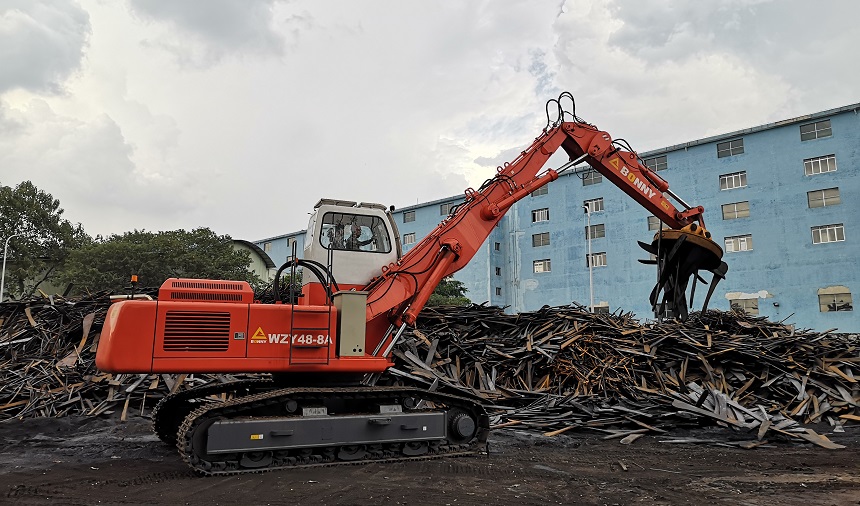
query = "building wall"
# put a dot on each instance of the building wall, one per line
(279, 248)
(783, 272)
(259, 262)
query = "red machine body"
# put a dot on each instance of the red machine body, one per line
(214, 325)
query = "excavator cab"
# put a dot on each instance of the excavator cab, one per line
(353, 240)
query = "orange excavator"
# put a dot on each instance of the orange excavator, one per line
(327, 348)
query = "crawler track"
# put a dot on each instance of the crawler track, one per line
(172, 409)
(466, 426)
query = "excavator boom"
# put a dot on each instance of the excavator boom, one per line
(403, 288)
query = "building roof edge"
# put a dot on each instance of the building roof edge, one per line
(738, 133)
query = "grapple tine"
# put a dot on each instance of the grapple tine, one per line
(648, 247)
(719, 274)
(693, 288)
(680, 255)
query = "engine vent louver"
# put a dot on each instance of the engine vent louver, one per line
(207, 285)
(211, 297)
(197, 331)
(206, 290)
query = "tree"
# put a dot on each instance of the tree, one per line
(45, 241)
(449, 292)
(107, 264)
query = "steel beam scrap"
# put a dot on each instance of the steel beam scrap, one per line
(562, 368)
(555, 370)
(47, 364)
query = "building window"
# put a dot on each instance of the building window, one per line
(591, 177)
(835, 302)
(730, 148)
(409, 238)
(737, 243)
(497, 246)
(749, 306)
(539, 215)
(267, 247)
(498, 291)
(594, 205)
(596, 260)
(541, 239)
(498, 271)
(656, 163)
(445, 209)
(828, 233)
(408, 216)
(734, 180)
(602, 309)
(654, 223)
(819, 165)
(736, 210)
(815, 130)
(595, 231)
(542, 265)
(823, 198)
(543, 190)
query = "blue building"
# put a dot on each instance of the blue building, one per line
(782, 199)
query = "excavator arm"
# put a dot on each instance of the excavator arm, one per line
(404, 287)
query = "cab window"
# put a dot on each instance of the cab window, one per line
(354, 232)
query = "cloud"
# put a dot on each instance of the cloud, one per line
(41, 43)
(241, 115)
(762, 42)
(202, 33)
(87, 165)
(672, 87)
(501, 158)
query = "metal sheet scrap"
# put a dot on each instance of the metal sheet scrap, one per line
(47, 364)
(562, 368)
(555, 370)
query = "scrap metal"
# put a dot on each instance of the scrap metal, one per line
(555, 370)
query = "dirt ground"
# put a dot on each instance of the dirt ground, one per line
(76, 461)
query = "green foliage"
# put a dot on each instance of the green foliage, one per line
(107, 264)
(449, 292)
(266, 292)
(46, 237)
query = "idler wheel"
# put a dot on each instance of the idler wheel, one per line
(462, 427)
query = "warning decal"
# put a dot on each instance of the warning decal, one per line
(259, 336)
(614, 162)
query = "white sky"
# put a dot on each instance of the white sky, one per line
(239, 115)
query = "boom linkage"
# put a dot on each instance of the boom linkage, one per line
(404, 287)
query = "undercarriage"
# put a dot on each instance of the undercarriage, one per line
(263, 427)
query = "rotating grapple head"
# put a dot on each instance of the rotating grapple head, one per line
(681, 254)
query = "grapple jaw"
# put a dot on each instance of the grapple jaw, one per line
(680, 255)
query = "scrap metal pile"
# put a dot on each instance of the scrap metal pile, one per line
(47, 364)
(554, 370)
(562, 368)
